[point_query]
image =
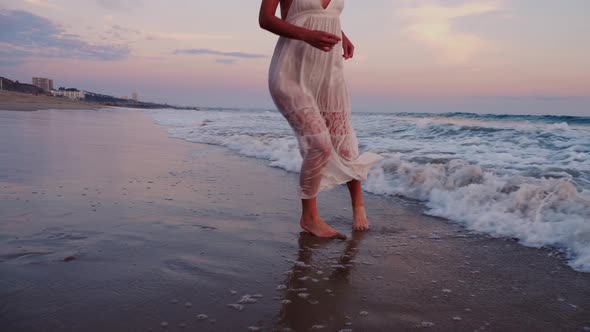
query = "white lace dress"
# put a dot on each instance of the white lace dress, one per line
(307, 86)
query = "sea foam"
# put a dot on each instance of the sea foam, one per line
(526, 177)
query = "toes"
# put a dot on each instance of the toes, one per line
(339, 236)
(326, 235)
(361, 227)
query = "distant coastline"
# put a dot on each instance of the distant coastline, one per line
(15, 96)
(19, 101)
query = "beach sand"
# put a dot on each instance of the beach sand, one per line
(106, 224)
(17, 101)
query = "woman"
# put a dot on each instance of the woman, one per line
(307, 85)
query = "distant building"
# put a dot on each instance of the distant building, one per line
(43, 83)
(69, 93)
(135, 96)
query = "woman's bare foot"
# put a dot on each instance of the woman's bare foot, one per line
(360, 219)
(319, 228)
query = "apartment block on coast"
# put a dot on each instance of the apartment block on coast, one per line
(43, 83)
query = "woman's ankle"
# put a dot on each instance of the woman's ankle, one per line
(358, 206)
(310, 217)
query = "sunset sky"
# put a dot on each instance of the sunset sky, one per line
(497, 56)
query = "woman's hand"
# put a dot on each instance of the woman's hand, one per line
(347, 47)
(321, 40)
(268, 21)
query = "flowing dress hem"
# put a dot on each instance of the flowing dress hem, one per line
(357, 169)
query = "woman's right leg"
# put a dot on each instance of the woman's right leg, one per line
(315, 146)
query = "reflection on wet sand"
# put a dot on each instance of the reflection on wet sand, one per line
(100, 212)
(317, 292)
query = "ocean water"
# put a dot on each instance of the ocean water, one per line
(520, 176)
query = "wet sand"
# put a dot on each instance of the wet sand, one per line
(106, 224)
(17, 101)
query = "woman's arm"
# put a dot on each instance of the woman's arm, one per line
(268, 21)
(347, 47)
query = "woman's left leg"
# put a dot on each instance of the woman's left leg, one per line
(358, 206)
(345, 142)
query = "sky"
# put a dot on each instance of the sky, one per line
(481, 56)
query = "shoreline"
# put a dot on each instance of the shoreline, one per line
(151, 232)
(24, 102)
